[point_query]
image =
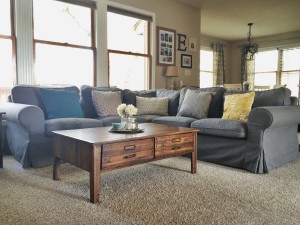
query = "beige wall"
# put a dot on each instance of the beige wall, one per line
(232, 50)
(185, 20)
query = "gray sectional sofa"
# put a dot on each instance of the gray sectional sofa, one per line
(267, 141)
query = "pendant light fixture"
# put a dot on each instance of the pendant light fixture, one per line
(250, 49)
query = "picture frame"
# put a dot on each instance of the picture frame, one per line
(166, 49)
(186, 61)
(193, 44)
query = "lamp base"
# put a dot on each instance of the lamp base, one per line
(172, 84)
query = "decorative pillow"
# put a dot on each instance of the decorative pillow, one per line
(173, 97)
(106, 103)
(86, 100)
(61, 103)
(216, 105)
(130, 96)
(195, 104)
(238, 106)
(152, 106)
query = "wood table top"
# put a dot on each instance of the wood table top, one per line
(102, 135)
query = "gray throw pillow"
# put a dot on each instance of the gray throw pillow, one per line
(195, 104)
(106, 103)
(152, 106)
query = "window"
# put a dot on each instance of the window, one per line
(278, 67)
(290, 74)
(7, 46)
(128, 50)
(266, 68)
(64, 43)
(206, 68)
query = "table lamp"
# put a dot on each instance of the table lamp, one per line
(172, 71)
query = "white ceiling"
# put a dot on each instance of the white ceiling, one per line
(228, 19)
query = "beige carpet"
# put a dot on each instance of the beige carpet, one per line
(161, 192)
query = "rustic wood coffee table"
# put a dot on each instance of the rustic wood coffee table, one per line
(95, 149)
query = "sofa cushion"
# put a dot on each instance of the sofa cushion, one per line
(107, 121)
(129, 97)
(221, 127)
(238, 106)
(106, 103)
(173, 97)
(86, 101)
(274, 97)
(146, 118)
(158, 106)
(216, 105)
(69, 124)
(195, 104)
(61, 103)
(174, 120)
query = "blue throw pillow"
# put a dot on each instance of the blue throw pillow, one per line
(61, 103)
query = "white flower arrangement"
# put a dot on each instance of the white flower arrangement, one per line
(246, 82)
(128, 110)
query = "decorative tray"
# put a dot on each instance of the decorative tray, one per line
(126, 131)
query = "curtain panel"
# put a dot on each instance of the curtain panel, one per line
(219, 65)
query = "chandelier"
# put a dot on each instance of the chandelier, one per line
(249, 49)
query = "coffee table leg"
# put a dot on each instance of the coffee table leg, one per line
(95, 157)
(56, 168)
(194, 156)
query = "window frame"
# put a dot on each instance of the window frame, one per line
(129, 53)
(12, 37)
(65, 44)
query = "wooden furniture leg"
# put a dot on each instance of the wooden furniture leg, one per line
(95, 157)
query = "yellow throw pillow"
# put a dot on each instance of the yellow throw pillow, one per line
(238, 106)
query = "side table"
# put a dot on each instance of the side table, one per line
(1, 146)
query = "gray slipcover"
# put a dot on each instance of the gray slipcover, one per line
(28, 131)
(268, 140)
(174, 120)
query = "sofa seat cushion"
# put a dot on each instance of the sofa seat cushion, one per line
(107, 121)
(221, 127)
(146, 118)
(69, 124)
(174, 120)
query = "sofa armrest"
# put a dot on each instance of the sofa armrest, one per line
(29, 117)
(274, 116)
(272, 137)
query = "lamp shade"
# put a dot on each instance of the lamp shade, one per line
(172, 71)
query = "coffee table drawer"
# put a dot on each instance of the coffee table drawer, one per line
(127, 159)
(127, 147)
(173, 145)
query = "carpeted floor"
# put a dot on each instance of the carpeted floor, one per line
(161, 192)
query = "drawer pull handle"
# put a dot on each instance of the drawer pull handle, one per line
(129, 147)
(176, 148)
(174, 140)
(129, 156)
